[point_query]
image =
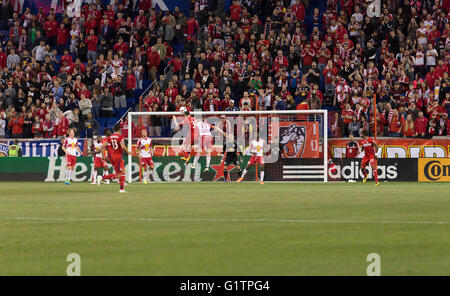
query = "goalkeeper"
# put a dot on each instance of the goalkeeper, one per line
(231, 156)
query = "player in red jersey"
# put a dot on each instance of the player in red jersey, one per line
(144, 146)
(370, 148)
(189, 139)
(70, 147)
(352, 148)
(116, 149)
(107, 176)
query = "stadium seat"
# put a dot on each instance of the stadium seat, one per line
(101, 121)
(130, 103)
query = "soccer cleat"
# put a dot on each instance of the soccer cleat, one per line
(365, 179)
(105, 182)
(145, 181)
(225, 180)
(261, 182)
(377, 183)
(192, 166)
(186, 159)
(67, 183)
(240, 180)
(99, 180)
(93, 182)
(123, 191)
(206, 170)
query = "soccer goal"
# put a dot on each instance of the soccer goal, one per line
(295, 145)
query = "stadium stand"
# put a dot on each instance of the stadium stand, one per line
(339, 55)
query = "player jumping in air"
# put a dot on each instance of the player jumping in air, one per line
(144, 146)
(205, 143)
(99, 164)
(257, 151)
(70, 147)
(231, 155)
(116, 149)
(189, 140)
(370, 148)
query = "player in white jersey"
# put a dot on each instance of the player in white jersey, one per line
(70, 147)
(205, 142)
(257, 151)
(144, 145)
(99, 164)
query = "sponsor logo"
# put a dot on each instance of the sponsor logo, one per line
(303, 172)
(4, 148)
(292, 140)
(434, 170)
(353, 171)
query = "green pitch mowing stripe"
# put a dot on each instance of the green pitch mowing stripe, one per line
(225, 229)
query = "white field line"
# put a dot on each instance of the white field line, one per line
(207, 220)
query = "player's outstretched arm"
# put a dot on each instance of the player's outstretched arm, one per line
(104, 150)
(124, 147)
(177, 126)
(218, 129)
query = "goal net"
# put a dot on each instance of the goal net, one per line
(295, 145)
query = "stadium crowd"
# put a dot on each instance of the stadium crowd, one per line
(58, 72)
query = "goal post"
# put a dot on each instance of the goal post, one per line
(296, 143)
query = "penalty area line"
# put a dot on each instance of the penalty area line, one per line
(212, 220)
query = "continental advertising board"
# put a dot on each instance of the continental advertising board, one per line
(434, 170)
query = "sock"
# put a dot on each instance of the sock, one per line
(122, 181)
(196, 159)
(146, 173)
(152, 173)
(67, 174)
(208, 160)
(375, 174)
(262, 175)
(70, 175)
(239, 172)
(225, 173)
(94, 174)
(110, 177)
(100, 172)
(243, 173)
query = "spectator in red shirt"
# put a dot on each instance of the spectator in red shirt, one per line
(131, 83)
(120, 46)
(2, 59)
(51, 30)
(62, 35)
(171, 92)
(420, 126)
(16, 126)
(91, 43)
(235, 11)
(211, 104)
(153, 61)
(308, 55)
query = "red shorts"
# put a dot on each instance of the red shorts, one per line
(99, 163)
(147, 161)
(368, 160)
(71, 160)
(206, 143)
(188, 141)
(256, 159)
(118, 165)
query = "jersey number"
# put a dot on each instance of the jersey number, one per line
(114, 144)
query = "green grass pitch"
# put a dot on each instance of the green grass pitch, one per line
(225, 229)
